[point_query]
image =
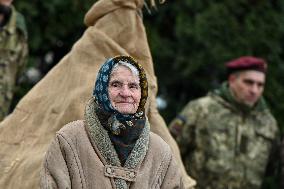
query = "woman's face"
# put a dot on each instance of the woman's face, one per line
(124, 90)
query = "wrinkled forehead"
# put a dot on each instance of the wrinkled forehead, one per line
(123, 72)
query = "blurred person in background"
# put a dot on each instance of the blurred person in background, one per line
(228, 136)
(13, 52)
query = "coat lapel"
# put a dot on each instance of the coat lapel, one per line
(99, 136)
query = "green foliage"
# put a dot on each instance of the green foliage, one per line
(50, 21)
(53, 27)
(196, 37)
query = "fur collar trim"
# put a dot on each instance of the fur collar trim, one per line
(100, 138)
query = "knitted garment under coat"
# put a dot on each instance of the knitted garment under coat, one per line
(123, 129)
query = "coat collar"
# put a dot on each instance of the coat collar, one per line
(100, 138)
(10, 27)
(16, 22)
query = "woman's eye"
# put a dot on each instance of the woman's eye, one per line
(133, 86)
(114, 84)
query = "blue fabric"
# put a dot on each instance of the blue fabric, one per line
(101, 87)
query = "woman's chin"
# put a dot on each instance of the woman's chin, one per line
(126, 109)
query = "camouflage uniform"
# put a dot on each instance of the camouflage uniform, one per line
(225, 145)
(13, 54)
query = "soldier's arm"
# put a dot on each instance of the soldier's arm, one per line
(23, 55)
(273, 170)
(183, 126)
(22, 43)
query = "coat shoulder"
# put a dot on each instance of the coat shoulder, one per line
(158, 145)
(73, 128)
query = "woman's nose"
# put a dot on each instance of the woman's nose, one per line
(124, 91)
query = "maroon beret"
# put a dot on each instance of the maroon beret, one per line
(246, 63)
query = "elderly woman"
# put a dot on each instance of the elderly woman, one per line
(113, 146)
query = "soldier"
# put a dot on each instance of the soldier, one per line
(227, 136)
(13, 52)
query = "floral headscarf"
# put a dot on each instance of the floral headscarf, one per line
(101, 96)
(123, 129)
